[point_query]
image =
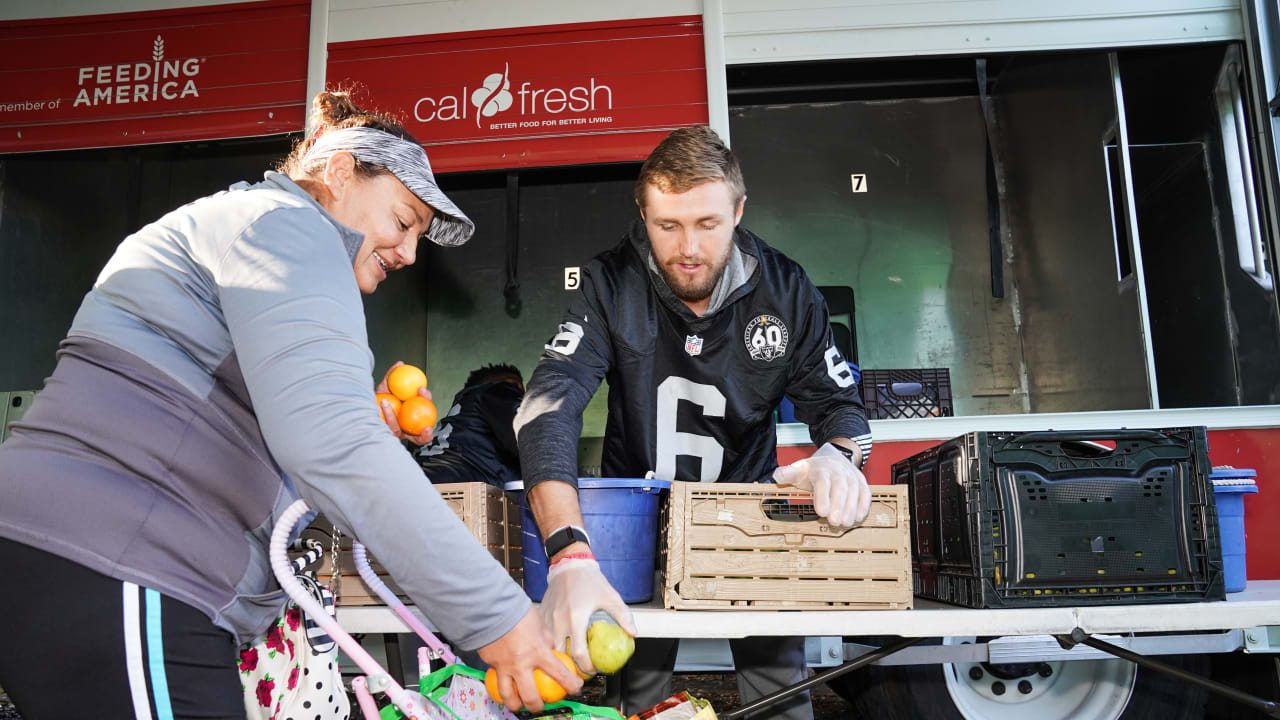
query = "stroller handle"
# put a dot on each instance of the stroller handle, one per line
(411, 704)
(381, 590)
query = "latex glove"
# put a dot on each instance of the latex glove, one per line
(575, 589)
(389, 416)
(840, 492)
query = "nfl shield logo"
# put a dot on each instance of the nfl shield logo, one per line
(693, 345)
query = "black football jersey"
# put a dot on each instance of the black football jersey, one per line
(690, 398)
(474, 441)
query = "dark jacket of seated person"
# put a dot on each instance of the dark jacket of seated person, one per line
(474, 441)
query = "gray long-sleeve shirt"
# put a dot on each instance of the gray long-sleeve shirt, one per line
(218, 370)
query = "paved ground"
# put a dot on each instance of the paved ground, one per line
(719, 688)
(722, 691)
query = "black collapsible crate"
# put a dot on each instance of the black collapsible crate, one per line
(1005, 519)
(921, 393)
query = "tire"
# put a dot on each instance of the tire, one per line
(1258, 675)
(921, 692)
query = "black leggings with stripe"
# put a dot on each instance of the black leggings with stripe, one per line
(78, 644)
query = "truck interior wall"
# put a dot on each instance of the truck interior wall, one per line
(62, 214)
(1172, 122)
(1081, 338)
(1256, 324)
(913, 247)
(566, 216)
(1182, 257)
(1214, 329)
(1254, 320)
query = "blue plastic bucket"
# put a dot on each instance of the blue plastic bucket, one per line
(1230, 485)
(621, 516)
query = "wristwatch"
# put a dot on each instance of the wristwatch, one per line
(845, 451)
(563, 538)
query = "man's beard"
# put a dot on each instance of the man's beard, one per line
(686, 292)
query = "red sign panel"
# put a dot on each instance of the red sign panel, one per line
(552, 95)
(124, 79)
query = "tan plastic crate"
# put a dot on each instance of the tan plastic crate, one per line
(486, 511)
(492, 518)
(732, 546)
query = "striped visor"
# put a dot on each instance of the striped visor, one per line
(408, 162)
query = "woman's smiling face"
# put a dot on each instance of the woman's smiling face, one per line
(391, 217)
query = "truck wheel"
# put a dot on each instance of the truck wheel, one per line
(1258, 675)
(1083, 689)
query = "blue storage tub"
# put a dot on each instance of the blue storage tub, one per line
(621, 516)
(1230, 485)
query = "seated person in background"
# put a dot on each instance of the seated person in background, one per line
(474, 441)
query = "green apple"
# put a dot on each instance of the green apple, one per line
(610, 646)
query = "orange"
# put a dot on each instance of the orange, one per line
(404, 381)
(491, 684)
(550, 690)
(416, 414)
(395, 404)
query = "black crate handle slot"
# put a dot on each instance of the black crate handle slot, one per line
(906, 389)
(783, 511)
(1086, 435)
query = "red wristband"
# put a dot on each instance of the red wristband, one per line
(574, 556)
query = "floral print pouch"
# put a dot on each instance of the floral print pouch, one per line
(292, 672)
(284, 677)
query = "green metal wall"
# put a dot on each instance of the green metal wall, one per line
(913, 247)
(566, 216)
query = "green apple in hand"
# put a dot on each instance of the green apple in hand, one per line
(609, 645)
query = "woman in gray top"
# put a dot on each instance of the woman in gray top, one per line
(218, 370)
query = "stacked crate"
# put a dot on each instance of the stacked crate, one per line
(919, 393)
(487, 512)
(733, 546)
(1009, 519)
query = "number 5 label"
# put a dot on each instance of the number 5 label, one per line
(572, 278)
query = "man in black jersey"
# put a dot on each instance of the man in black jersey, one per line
(700, 328)
(474, 441)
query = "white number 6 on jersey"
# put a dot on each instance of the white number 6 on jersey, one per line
(671, 443)
(838, 369)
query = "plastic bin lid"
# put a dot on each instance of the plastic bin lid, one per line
(604, 483)
(1234, 486)
(1226, 471)
(1234, 480)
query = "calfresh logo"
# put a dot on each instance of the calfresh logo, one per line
(493, 96)
(158, 79)
(498, 95)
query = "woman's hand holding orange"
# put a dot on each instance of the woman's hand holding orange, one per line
(524, 669)
(407, 387)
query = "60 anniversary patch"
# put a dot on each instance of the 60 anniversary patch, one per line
(766, 338)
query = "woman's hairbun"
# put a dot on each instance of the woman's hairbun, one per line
(335, 110)
(331, 107)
